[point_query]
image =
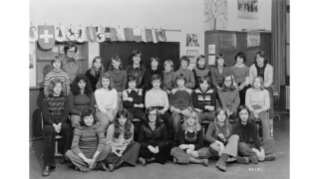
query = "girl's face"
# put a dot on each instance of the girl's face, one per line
(221, 117)
(156, 84)
(71, 52)
(191, 120)
(152, 116)
(81, 84)
(260, 60)
(97, 64)
(154, 63)
(88, 120)
(203, 86)
(105, 82)
(132, 84)
(168, 68)
(257, 83)
(201, 62)
(116, 64)
(243, 115)
(184, 64)
(181, 83)
(57, 65)
(122, 120)
(228, 81)
(239, 60)
(137, 59)
(57, 88)
(220, 62)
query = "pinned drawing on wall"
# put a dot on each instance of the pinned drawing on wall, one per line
(253, 39)
(70, 33)
(192, 55)
(215, 14)
(211, 49)
(31, 61)
(80, 34)
(60, 33)
(192, 40)
(100, 34)
(247, 9)
(33, 33)
(211, 59)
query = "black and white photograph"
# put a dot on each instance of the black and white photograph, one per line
(116, 92)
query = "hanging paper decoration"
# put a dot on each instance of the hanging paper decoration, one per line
(161, 35)
(80, 34)
(107, 33)
(148, 34)
(143, 34)
(137, 34)
(60, 33)
(46, 37)
(154, 35)
(113, 35)
(129, 36)
(71, 33)
(120, 34)
(91, 34)
(100, 34)
(33, 33)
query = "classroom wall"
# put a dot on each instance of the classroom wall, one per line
(185, 15)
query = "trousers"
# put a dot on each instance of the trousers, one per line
(230, 148)
(183, 157)
(129, 155)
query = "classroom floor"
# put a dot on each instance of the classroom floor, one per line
(264, 170)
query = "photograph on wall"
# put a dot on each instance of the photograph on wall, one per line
(253, 40)
(247, 9)
(192, 40)
(211, 59)
(211, 49)
(192, 55)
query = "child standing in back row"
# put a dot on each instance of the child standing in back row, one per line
(168, 76)
(184, 60)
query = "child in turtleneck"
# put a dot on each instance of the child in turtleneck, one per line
(184, 60)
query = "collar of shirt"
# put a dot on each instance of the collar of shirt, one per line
(136, 66)
(240, 66)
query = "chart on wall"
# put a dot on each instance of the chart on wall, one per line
(247, 9)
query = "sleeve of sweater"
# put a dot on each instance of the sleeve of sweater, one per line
(247, 100)
(214, 82)
(270, 73)
(126, 103)
(162, 143)
(236, 102)
(102, 140)
(92, 101)
(166, 102)
(75, 143)
(99, 101)
(200, 140)
(141, 136)
(109, 134)
(221, 98)
(72, 109)
(45, 112)
(267, 100)
(247, 76)
(173, 97)
(139, 98)
(129, 140)
(124, 82)
(209, 134)
(66, 110)
(251, 74)
(191, 84)
(195, 101)
(196, 78)
(114, 99)
(148, 99)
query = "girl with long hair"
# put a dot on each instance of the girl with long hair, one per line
(222, 143)
(81, 97)
(191, 143)
(106, 100)
(96, 70)
(153, 139)
(153, 69)
(135, 67)
(231, 96)
(89, 148)
(120, 135)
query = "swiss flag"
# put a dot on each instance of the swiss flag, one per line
(71, 33)
(33, 33)
(60, 33)
(46, 37)
(91, 34)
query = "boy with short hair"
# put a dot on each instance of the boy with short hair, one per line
(189, 75)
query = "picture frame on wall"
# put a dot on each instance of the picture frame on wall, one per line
(192, 55)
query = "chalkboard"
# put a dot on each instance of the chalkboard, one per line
(44, 58)
(163, 50)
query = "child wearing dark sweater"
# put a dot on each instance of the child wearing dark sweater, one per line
(200, 70)
(135, 67)
(168, 76)
(154, 69)
(186, 72)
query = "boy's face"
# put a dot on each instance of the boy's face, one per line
(56, 65)
(132, 84)
(181, 83)
(201, 62)
(184, 64)
(168, 68)
(156, 84)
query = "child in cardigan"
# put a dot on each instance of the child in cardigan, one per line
(200, 70)
(181, 103)
(231, 96)
(219, 72)
(57, 73)
(241, 75)
(120, 137)
(80, 98)
(55, 111)
(154, 69)
(95, 72)
(135, 67)
(168, 76)
(191, 143)
(222, 142)
(133, 102)
(249, 145)
(119, 77)
(204, 99)
(89, 148)
(156, 97)
(106, 100)
(184, 60)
